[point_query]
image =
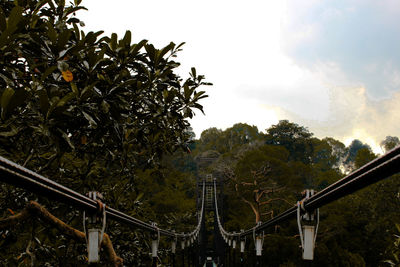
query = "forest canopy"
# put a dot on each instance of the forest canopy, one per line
(89, 111)
(265, 172)
(106, 113)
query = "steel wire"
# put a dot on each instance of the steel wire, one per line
(17, 175)
(372, 172)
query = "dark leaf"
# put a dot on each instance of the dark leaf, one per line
(136, 47)
(47, 72)
(44, 101)
(63, 38)
(66, 138)
(3, 23)
(113, 41)
(14, 18)
(5, 100)
(127, 38)
(91, 121)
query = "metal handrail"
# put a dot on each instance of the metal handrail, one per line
(17, 175)
(372, 172)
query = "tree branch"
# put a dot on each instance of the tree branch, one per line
(256, 213)
(34, 209)
(275, 199)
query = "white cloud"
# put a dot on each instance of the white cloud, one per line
(361, 37)
(289, 89)
(353, 115)
(308, 61)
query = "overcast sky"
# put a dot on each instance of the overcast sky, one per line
(332, 66)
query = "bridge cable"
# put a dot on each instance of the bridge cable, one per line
(19, 176)
(372, 172)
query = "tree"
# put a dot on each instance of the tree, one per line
(119, 98)
(86, 110)
(394, 250)
(296, 139)
(328, 152)
(240, 134)
(389, 143)
(354, 147)
(230, 139)
(260, 177)
(209, 139)
(364, 155)
(353, 231)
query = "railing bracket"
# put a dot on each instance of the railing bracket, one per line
(307, 222)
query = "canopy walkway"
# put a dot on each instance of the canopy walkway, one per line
(226, 244)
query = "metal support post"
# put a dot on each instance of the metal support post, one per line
(183, 244)
(242, 245)
(94, 235)
(183, 251)
(229, 255)
(189, 256)
(307, 222)
(173, 250)
(234, 249)
(155, 241)
(258, 243)
(258, 240)
(242, 240)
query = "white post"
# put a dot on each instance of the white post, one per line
(173, 247)
(242, 245)
(93, 245)
(154, 248)
(308, 249)
(94, 235)
(307, 222)
(258, 246)
(155, 240)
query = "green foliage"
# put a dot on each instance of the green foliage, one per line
(395, 249)
(363, 156)
(87, 110)
(260, 176)
(228, 140)
(354, 231)
(105, 113)
(328, 153)
(354, 147)
(389, 143)
(124, 101)
(166, 191)
(296, 139)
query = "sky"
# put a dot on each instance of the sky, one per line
(332, 66)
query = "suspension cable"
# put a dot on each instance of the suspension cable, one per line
(220, 227)
(372, 172)
(19, 176)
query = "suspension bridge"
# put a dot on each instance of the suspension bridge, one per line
(226, 245)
